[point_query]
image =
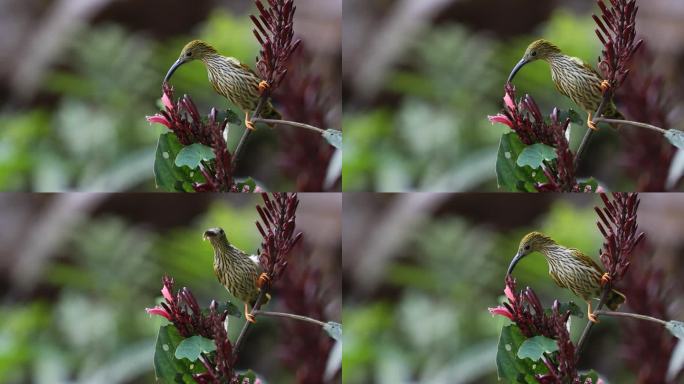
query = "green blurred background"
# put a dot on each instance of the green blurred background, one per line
(78, 270)
(78, 78)
(420, 271)
(421, 77)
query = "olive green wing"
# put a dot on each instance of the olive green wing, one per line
(588, 260)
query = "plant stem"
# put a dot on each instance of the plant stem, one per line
(245, 327)
(634, 123)
(589, 132)
(290, 123)
(289, 316)
(604, 295)
(245, 135)
(632, 315)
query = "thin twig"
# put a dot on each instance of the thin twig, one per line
(590, 132)
(245, 327)
(290, 123)
(245, 135)
(604, 295)
(634, 123)
(289, 316)
(632, 315)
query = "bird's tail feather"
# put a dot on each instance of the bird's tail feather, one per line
(615, 299)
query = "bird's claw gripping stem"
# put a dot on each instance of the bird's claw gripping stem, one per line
(591, 124)
(263, 86)
(248, 122)
(590, 315)
(605, 279)
(263, 280)
(248, 316)
(605, 86)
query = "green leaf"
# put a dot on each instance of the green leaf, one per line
(248, 182)
(334, 330)
(233, 118)
(167, 175)
(509, 175)
(535, 155)
(590, 182)
(511, 368)
(571, 114)
(535, 347)
(676, 137)
(167, 368)
(192, 155)
(591, 374)
(334, 137)
(676, 328)
(250, 375)
(193, 346)
(232, 309)
(574, 309)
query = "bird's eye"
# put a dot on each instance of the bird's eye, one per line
(220, 230)
(188, 54)
(527, 247)
(534, 53)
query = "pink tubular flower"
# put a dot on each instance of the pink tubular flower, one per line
(159, 119)
(159, 311)
(501, 310)
(502, 119)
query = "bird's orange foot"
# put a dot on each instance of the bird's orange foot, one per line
(248, 123)
(605, 279)
(248, 316)
(605, 85)
(263, 280)
(591, 124)
(592, 318)
(263, 85)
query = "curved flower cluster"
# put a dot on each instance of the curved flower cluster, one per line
(184, 120)
(526, 120)
(526, 311)
(617, 32)
(617, 223)
(278, 231)
(275, 32)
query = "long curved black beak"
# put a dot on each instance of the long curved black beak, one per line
(515, 70)
(173, 68)
(515, 261)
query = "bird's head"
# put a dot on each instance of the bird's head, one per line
(532, 242)
(539, 50)
(194, 50)
(216, 236)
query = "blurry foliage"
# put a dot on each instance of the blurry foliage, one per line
(431, 133)
(91, 326)
(93, 136)
(428, 321)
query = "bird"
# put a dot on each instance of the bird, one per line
(240, 273)
(573, 78)
(230, 78)
(570, 268)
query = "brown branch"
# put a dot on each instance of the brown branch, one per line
(289, 316)
(290, 123)
(633, 123)
(631, 315)
(243, 332)
(606, 290)
(245, 135)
